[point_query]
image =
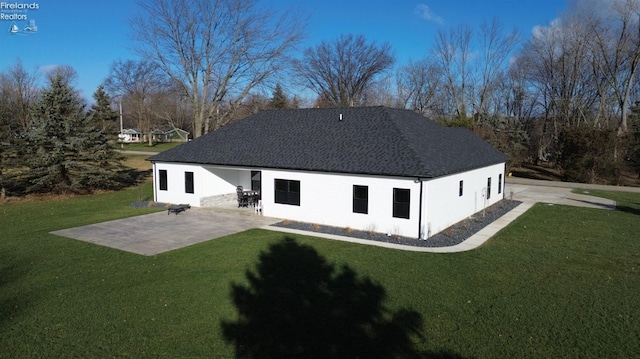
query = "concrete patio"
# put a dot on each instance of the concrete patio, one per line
(155, 233)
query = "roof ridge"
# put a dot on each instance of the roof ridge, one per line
(410, 145)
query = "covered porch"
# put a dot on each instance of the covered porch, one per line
(235, 188)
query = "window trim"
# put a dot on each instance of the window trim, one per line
(290, 197)
(399, 212)
(189, 181)
(359, 203)
(163, 183)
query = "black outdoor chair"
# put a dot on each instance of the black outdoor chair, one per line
(243, 198)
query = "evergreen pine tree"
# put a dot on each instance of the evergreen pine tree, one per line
(68, 152)
(278, 99)
(101, 113)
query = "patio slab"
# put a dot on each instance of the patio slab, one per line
(155, 233)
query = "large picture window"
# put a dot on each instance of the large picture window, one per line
(401, 202)
(162, 174)
(360, 199)
(188, 182)
(287, 192)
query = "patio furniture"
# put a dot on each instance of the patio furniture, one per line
(243, 198)
(177, 208)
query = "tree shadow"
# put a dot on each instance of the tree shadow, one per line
(11, 303)
(296, 305)
(628, 209)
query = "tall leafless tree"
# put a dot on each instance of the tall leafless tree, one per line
(495, 48)
(419, 85)
(20, 90)
(615, 45)
(341, 71)
(138, 84)
(453, 51)
(216, 50)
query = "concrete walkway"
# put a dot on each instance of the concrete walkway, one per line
(529, 192)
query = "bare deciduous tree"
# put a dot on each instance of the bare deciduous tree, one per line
(615, 45)
(453, 51)
(419, 85)
(217, 51)
(341, 71)
(138, 84)
(20, 90)
(495, 47)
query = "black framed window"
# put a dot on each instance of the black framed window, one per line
(162, 174)
(401, 202)
(360, 199)
(188, 182)
(287, 192)
(460, 188)
(488, 187)
(500, 183)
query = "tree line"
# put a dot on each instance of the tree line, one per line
(565, 95)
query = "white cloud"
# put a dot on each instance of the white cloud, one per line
(426, 13)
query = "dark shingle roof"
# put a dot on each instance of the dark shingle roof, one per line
(368, 140)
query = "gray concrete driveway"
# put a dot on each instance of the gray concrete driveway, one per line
(556, 195)
(155, 233)
(531, 191)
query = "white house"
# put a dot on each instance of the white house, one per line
(374, 168)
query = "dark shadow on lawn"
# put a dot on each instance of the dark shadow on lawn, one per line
(11, 303)
(627, 209)
(296, 305)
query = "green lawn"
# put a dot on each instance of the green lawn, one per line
(157, 147)
(558, 282)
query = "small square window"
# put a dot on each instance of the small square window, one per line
(287, 192)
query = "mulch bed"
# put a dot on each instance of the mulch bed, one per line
(451, 236)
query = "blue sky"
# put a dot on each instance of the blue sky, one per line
(90, 35)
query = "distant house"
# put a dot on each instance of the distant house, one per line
(130, 135)
(171, 135)
(376, 169)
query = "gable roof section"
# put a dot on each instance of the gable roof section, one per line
(367, 140)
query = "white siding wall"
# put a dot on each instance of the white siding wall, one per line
(445, 207)
(328, 199)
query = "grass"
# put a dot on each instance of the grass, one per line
(558, 282)
(157, 147)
